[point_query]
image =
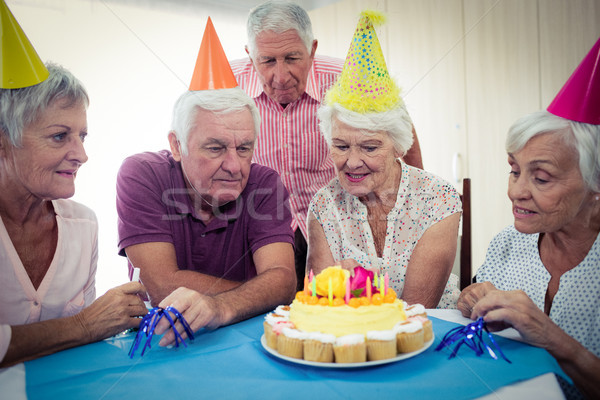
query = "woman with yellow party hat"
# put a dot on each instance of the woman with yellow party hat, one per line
(379, 212)
(48, 243)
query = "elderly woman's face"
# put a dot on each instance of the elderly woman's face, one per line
(51, 153)
(365, 161)
(545, 185)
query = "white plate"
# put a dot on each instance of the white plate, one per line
(399, 357)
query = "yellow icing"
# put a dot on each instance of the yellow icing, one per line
(346, 320)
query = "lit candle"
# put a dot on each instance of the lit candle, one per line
(330, 293)
(369, 288)
(347, 295)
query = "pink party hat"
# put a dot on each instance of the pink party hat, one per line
(579, 98)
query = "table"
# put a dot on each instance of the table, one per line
(231, 363)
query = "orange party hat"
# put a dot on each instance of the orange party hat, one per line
(20, 65)
(365, 86)
(579, 98)
(212, 69)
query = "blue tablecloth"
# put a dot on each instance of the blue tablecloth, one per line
(231, 363)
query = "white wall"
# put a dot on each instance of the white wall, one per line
(134, 63)
(469, 69)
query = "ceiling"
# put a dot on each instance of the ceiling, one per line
(238, 6)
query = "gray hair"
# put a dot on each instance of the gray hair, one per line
(278, 17)
(219, 101)
(581, 137)
(20, 107)
(396, 122)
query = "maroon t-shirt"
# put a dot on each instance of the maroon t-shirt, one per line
(154, 205)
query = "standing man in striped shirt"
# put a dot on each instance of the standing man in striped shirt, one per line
(288, 83)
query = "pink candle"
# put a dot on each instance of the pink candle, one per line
(386, 284)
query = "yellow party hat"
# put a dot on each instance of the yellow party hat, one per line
(365, 85)
(20, 65)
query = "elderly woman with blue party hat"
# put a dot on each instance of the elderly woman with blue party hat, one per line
(48, 243)
(541, 275)
(379, 212)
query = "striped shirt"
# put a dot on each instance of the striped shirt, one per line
(289, 140)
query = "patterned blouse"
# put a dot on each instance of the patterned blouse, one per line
(423, 199)
(513, 262)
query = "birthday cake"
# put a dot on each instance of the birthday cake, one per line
(346, 318)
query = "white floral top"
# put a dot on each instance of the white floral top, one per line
(423, 199)
(513, 262)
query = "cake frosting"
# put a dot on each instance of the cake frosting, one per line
(346, 320)
(359, 316)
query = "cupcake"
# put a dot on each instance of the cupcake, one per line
(381, 345)
(319, 347)
(290, 342)
(415, 310)
(283, 310)
(350, 349)
(427, 327)
(270, 320)
(409, 336)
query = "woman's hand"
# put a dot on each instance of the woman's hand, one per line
(505, 309)
(114, 312)
(199, 311)
(471, 295)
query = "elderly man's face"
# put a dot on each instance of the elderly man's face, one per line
(283, 62)
(220, 148)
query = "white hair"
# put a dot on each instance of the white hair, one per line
(278, 17)
(20, 107)
(581, 137)
(395, 122)
(219, 101)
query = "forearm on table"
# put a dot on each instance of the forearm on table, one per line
(260, 294)
(429, 295)
(579, 363)
(208, 285)
(38, 339)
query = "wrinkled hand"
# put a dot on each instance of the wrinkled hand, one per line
(200, 311)
(505, 309)
(115, 311)
(470, 296)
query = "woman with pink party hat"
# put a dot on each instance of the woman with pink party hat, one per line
(541, 275)
(379, 212)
